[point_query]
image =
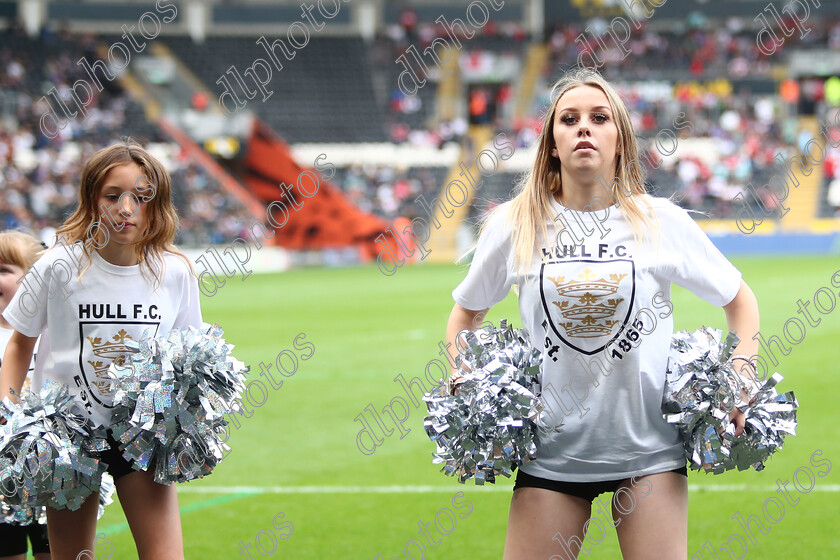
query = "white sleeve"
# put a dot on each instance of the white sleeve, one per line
(489, 278)
(695, 263)
(189, 312)
(27, 311)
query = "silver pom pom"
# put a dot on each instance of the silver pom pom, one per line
(46, 449)
(702, 387)
(170, 401)
(23, 515)
(489, 426)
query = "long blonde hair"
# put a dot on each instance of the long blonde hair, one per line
(161, 216)
(531, 206)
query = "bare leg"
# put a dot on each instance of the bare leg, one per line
(151, 510)
(537, 517)
(71, 532)
(657, 526)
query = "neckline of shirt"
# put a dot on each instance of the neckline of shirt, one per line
(613, 210)
(114, 268)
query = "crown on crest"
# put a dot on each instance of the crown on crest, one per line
(588, 306)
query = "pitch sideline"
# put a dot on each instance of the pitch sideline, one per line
(439, 489)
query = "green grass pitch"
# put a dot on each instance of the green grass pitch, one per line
(366, 329)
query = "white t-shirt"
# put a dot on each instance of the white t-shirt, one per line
(580, 306)
(88, 321)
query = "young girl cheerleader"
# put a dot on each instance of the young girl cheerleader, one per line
(18, 251)
(596, 298)
(113, 275)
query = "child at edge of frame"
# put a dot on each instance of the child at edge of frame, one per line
(18, 252)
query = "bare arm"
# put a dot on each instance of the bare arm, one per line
(16, 362)
(742, 317)
(460, 319)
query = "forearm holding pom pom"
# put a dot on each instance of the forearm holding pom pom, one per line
(170, 401)
(489, 425)
(46, 449)
(702, 387)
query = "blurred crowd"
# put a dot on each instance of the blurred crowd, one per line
(701, 49)
(744, 131)
(734, 143)
(411, 117)
(39, 175)
(724, 143)
(389, 192)
(831, 170)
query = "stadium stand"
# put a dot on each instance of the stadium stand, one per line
(738, 124)
(312, 93)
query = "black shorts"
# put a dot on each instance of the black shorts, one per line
(586, 490)
(117, 465)
(13, 539)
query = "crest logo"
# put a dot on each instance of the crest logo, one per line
(96, 352)
(588, 302)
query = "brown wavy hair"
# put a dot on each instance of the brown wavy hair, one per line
(161, 216)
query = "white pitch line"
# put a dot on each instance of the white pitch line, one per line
(442, 489)
(416, 334)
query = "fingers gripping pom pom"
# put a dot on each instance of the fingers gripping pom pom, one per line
(170, 401)
(46, 449)
(489, 426)
(702, 386)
